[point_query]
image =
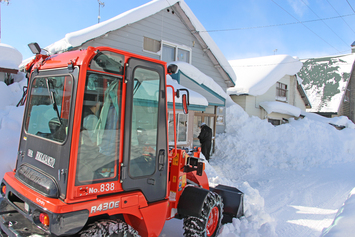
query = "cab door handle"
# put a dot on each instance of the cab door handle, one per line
(161, 159)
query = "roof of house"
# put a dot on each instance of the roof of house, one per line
(325, 80)
(77, 38)
(257, 75)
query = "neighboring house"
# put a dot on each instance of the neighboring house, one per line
(330, 85)
(268, 87)
(10, 59)
(169, 31)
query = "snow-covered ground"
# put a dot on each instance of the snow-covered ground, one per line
(296, 177)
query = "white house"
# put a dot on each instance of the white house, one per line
(269, 88)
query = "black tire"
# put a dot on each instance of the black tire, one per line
(200, 226)
(102, 228)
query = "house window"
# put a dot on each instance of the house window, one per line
(173, 52)
(151, 45)
(274, 122)
(281, 91)
(181, 128)
(183, 55)
(168, 53)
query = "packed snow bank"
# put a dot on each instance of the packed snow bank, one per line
(339, 121)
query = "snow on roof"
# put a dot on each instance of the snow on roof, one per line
(201, 78)
(77, 38)
(325, 80)
(257, 75)
(194, 97)
(281, 108)
(10, 57)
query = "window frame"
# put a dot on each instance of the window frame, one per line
(280, 91)
(176, 47)
(28, 112)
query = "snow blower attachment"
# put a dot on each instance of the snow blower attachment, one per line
(93, 157)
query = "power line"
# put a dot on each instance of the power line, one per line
(306, 26)
(341, 17)
(350, 6)
(281, 24)
(325, 23)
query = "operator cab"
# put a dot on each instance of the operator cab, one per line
(95, 126)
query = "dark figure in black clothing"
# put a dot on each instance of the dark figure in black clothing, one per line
(205, 138)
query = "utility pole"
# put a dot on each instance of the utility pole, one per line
(7, 1)
(100, 4)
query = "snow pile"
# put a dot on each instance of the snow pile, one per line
(339, 121)
(10, 123)
(252, 145)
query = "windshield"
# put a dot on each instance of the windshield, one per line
(49, 106)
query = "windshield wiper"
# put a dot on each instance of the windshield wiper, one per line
(52, 99)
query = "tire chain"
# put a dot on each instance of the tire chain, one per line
(107, 228)
(196, 226)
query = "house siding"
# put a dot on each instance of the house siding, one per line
(161, 26)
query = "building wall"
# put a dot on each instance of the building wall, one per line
(165, 26)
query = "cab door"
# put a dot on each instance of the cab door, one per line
(145, 132)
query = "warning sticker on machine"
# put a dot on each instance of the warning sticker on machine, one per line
(172, 196)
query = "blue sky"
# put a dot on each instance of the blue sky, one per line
(241, 29)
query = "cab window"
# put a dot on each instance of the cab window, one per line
(144, 122)
(49, 106)
(106, 61)
(100, 129)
